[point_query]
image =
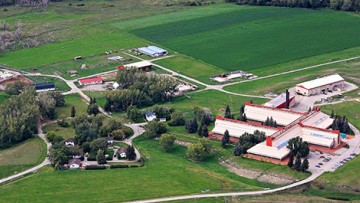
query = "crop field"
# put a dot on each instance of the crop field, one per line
(257, 37)
(21, 157)
(349, 70)
(164, 174)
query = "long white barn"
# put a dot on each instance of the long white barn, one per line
(311, 127)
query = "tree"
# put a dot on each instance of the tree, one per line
(130, 153)
(242, 109)
(73, 111)
(58, 155)
(291, 160)
(297, 165)
(191, 126)
(177, 119)
(167, 141)
(100, 157)
(332, 113)
(118, 134)
(196, 152)
(162, 112)
(204, 115)
(227, 112)
(99, 143)
(135, 114)
(227, 136)
(109, 126)
(14, 88)
(305, 165)
(86, 147)
(204, 132)
(58, 97)
(238, 150)
(154, 129)
(46, 104)
(223, 142)
(93, 109)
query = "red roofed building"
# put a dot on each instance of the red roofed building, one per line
(91, 81)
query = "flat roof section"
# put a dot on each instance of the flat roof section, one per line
(321, 81)
(138, 64)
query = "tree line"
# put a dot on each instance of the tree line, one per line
(343, 5)
(140, 89)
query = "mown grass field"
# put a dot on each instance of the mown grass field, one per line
(255, 37)
(68, 132)
(22, 156)
(164, 174)
(71, 100)
(349, 70)
(349, 109)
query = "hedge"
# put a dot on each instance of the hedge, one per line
(95, 167)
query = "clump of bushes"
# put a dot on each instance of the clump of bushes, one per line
(94, 167)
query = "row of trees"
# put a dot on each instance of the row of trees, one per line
(140, 89)
(270, 122)
(344, 5)
(206, 118)
(298, 165)
(298, 147)
(241, 117)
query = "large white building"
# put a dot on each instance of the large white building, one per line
(320, 85)
(310, 126)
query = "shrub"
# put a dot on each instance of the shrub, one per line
(117, 134)
(119, 166)
(63, 123)
(167, 141)
(94, 167)
(127, 131)
(50, 136)
(177, 119)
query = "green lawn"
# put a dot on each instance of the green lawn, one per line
(255, 37)
(3, 97)
(22, 156)
(68, 132)
(59, 84)
(164, 174)
(181, 134)
(71, 100)
(349, 109)
(278, 84)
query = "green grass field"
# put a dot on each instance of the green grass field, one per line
(71, 100)
(350, 109)
(3, 97)
(256, 37)
(22, 156)
(278, 84)
(57, 130)
(164, 174)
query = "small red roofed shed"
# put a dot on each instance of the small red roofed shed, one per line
(91, 81)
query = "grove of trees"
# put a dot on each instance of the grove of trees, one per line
(140, 89)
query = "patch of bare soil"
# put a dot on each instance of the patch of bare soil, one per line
(259, 175)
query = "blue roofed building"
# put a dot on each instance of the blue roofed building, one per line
(44, 86)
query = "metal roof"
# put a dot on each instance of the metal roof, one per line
(321, 81)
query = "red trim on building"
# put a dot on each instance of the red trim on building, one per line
(246, 123)
(120, 67)
(88, 80)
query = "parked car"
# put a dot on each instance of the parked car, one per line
(321, 164)
(322, 157)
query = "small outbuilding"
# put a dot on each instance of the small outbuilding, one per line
(149, 115)
(109, 140)
(74, 164)
(152, 51)
(142, 65)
